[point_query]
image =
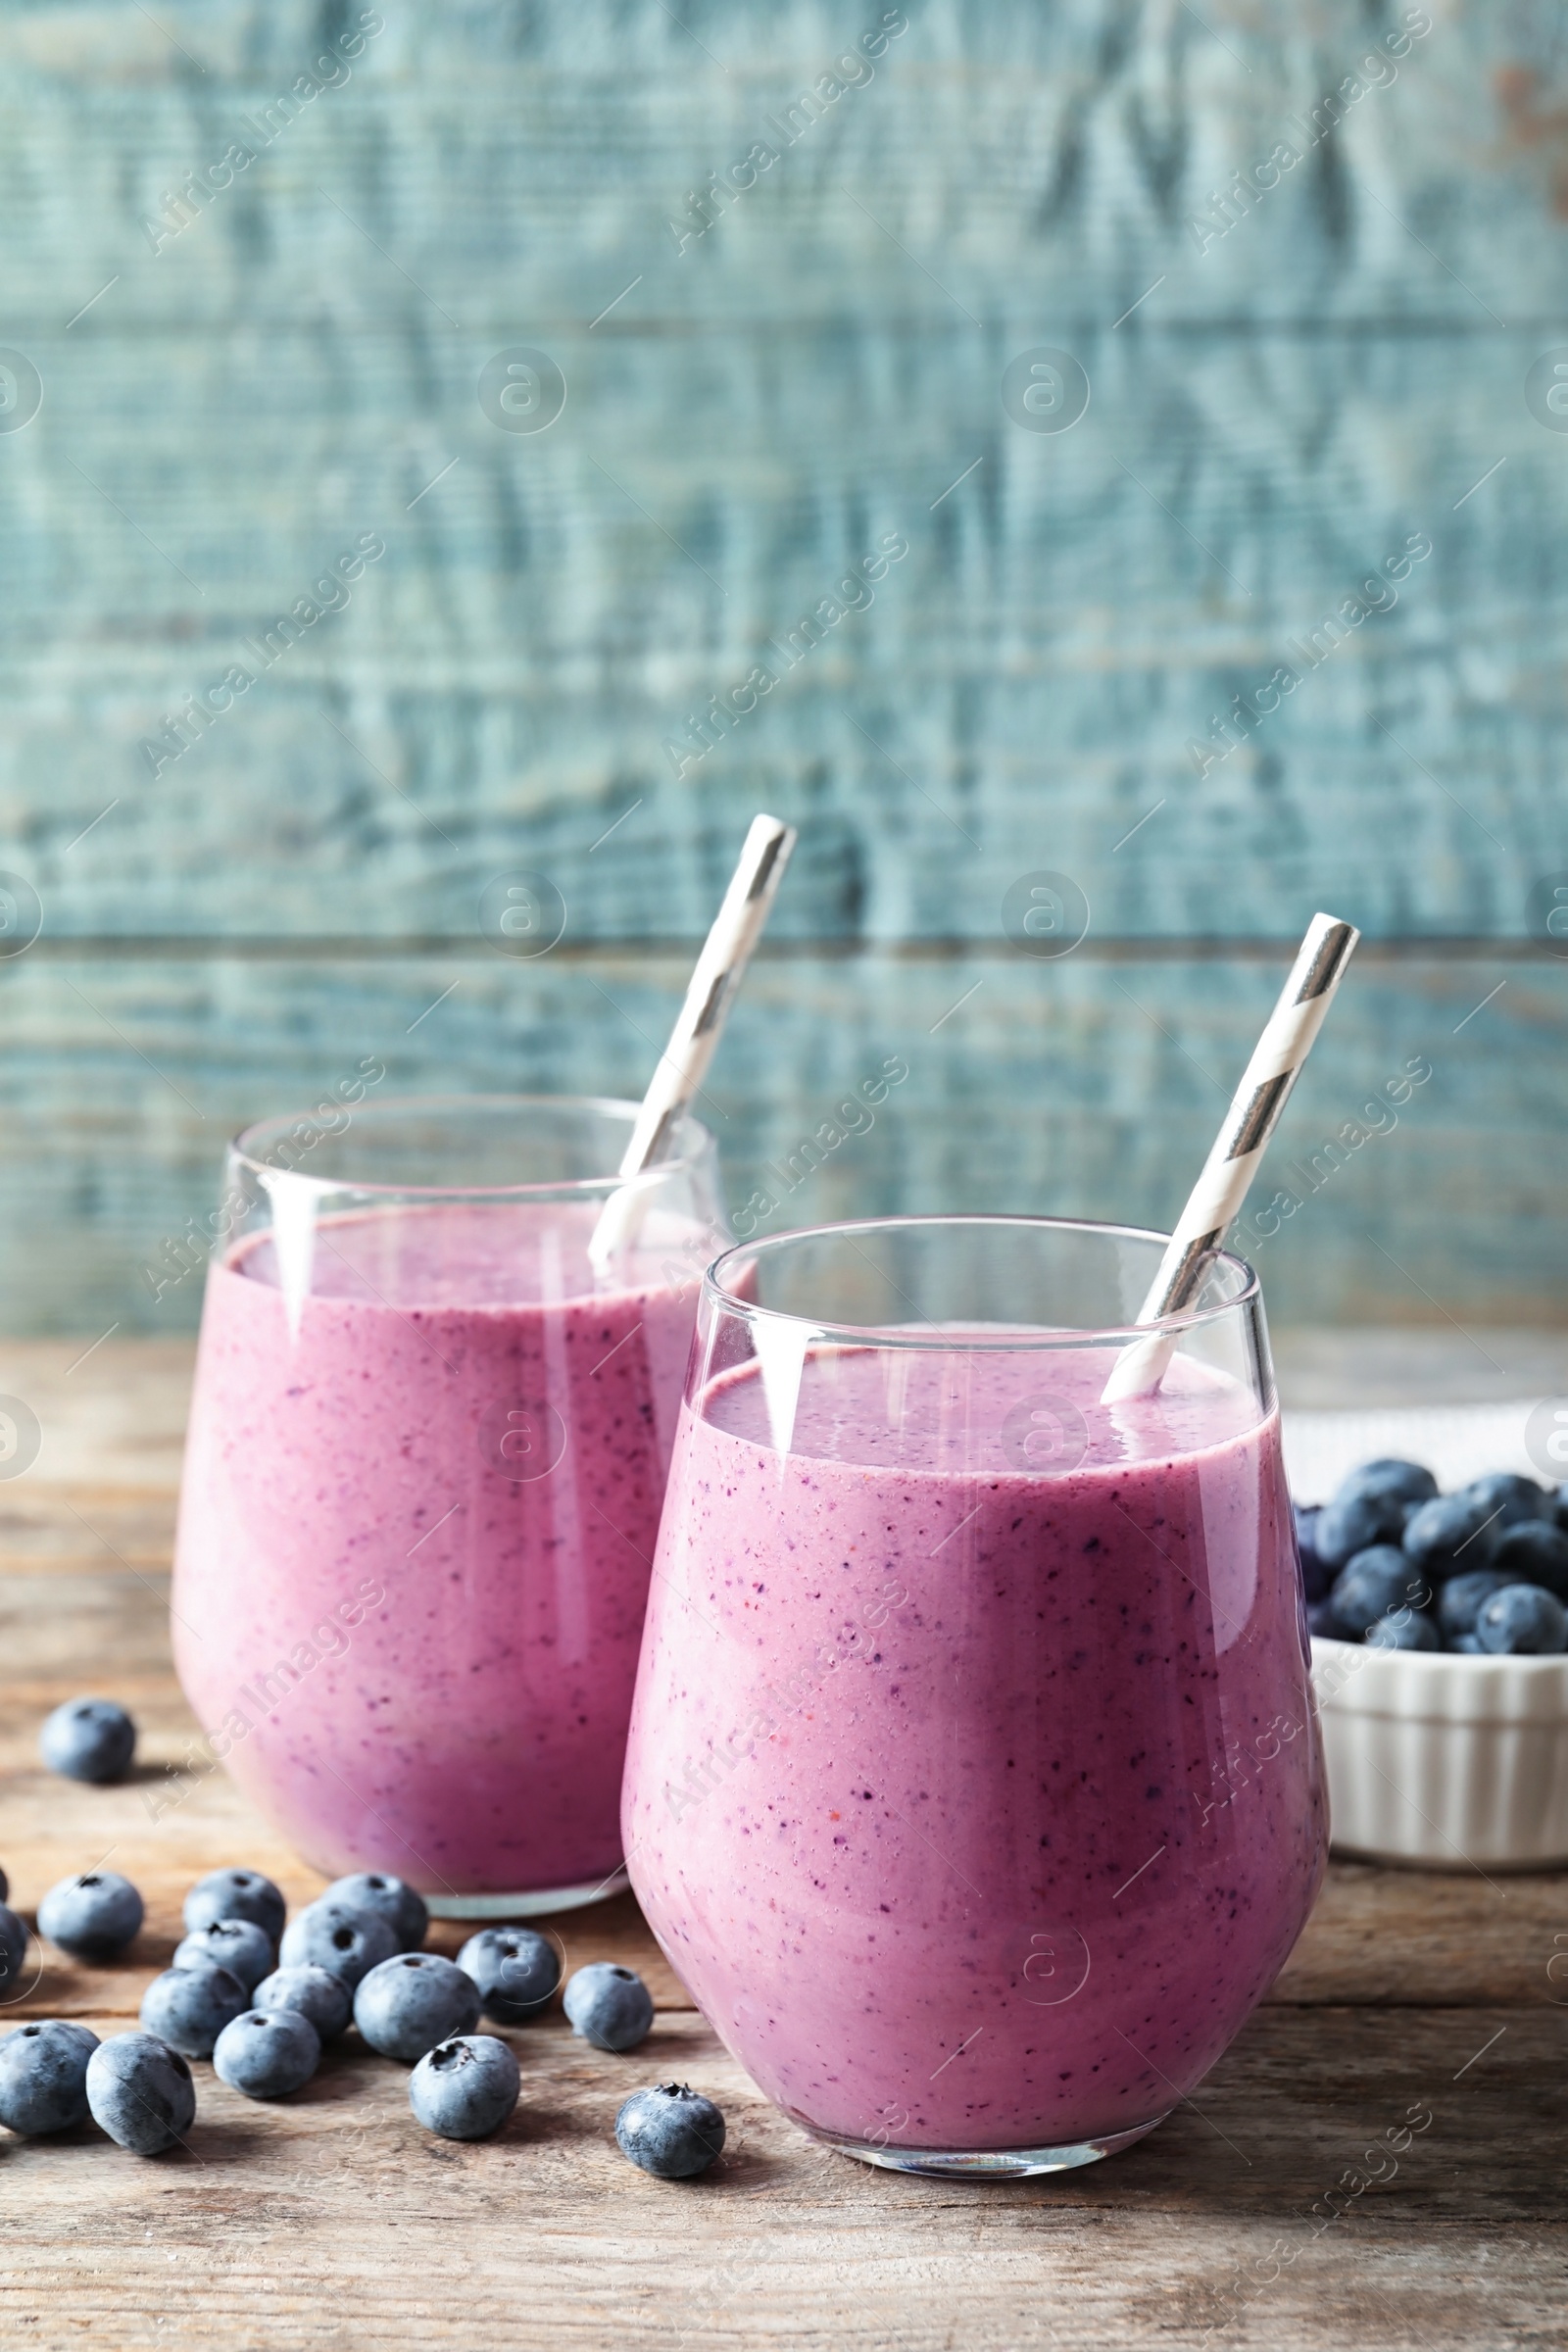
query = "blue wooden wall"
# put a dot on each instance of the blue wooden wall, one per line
(1298, 372)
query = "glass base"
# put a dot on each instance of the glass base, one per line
(527, 1906)
(971, 2164)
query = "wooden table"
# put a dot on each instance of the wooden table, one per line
(336, 2220)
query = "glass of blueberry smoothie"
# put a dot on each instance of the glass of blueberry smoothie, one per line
(934, 1794)
(427, 1452)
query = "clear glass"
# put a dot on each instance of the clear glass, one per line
(427, 1450)
(974, 1785)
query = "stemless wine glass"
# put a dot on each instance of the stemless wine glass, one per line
(973, 1785)
(427, 1450)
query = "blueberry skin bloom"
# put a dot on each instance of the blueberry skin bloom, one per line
(1406, 1628)
(464, 2088)
(267, 2053)
(88, 1740)
(312, 1993)
(1521, 1621)
(608, 2005)
(93, 1917)
(402, 1906)
(1533, 1552)
(43, 2077)
(140, 2092)
(236, 1894)
(188, 2008)
(12, 1947)
(1445, 1538)
(331, 1934)
(671, 2131)
(1459, 1602)
(516, 1969)
(1387, 1481)
(1373, 1585)
(410, 2004)
(1518, 1498)
(237, 1944)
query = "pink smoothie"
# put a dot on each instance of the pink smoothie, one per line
(977, 1809)
(411, 1632)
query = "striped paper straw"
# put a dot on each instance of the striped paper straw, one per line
(683, 1064)
(1253, 1114)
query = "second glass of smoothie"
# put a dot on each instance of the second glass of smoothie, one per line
(427, 1452)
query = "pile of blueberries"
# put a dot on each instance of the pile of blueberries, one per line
(260, 1994)
(1391, 1562)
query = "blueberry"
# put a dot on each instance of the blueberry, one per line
(237, 1944)
(671, 2131)
(1355, 1525)
(390, 1899)
(43, 2077)
(140, 2092)
(190, 2007)
(1392, 1482)
(608, 2006)
(313, 1992)
(12, 1947)
(5, 1885)
(1406, 1629)
(236, 1894)
(464, 2088)
(329, 1935)
(1371, 1585)
(1467, 1646)
(1521, 1621)
(1320, 1621)
(1533, 1552)
(1461, 1598)
(1447, 1537)
(1516, 1498)
(267, 2053)
(515, 1971)
(88, 1740)
(1315, 1575)
(1559, 1505)
(93, 1917)
(410, 2004)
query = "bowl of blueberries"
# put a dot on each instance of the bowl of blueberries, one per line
(1440, 1660)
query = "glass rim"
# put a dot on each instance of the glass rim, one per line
(943, 1336)
(693, 1141)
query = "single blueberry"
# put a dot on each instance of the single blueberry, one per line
(1455, 1534)
(400, 1905)
(1314, 1573)
(313, 1992)
(267, 2053)
(1371, 1585)
(1460, 1599)
(329, 1935)
(1515, 1496)
(464, 2088)
(515, 1971)
(12, 1947)
(88, 1740)
(1521, 1621)
(237, 1944)
(1467, 1646)
(671, 2131)
(1406, 1629)
(1356, 1525)
(1387, 1481)
(93, 1917)
(236, 1894)
(1533, 1552)
(1320, 1622)
(140, 2092)
(190, 2007)
(408, 2004)
(43, 2076)
(608, 2006)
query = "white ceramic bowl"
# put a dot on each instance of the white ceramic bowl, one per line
(1454, 1763)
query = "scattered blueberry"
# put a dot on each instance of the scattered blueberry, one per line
(400, 1905)
(237, 1944)
(12, 1947)
(1314, 1574)
(1533, 1552)
(1372, 1584)
(1460, 1599)
(267, 2053)
(1521, 1621)
(464, 2088)
(1355, 1524)
(43, 2077)
(88, 1740)
(671, 2131)
(93, 1917)
(1447, 1537)
(515, 1971)
(140, 2092)
(608, 2006)
(410, 2004)
(312, 1993)
(1387, 1481)
(190, 2007)
(236, 1894)
(1406, 1629)
(332, 1935)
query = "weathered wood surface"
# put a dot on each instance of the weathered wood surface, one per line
(333, 2220)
